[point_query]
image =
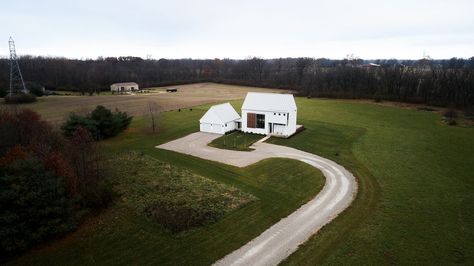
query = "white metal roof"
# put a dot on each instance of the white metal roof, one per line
(220, 114)
(269, 102)
(125, 84)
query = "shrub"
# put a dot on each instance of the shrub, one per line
(35, 88)
(33, 205)
(452, 122)
(20, 98)
(25, 127)
(3, 92)
(101, 123)
(450, 114)
(75, 121)
(469, 113)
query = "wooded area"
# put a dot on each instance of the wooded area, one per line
(436, 82)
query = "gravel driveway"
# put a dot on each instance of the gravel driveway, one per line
(283, 238)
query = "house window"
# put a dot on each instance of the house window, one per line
(255, 120)
(260, 121)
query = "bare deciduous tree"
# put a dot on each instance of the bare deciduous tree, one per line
(153, 110)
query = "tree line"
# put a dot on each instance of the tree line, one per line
(49, 180)
(447, 82)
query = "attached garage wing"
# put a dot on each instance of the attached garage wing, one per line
(219, 119)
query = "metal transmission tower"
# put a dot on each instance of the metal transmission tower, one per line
(17, 85)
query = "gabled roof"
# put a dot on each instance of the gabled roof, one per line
(125, 84)
(220, 114)
(269, 102)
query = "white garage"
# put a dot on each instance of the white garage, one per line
(219, 119)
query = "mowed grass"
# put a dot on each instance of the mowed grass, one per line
(236, 141)
(416, 185)
(414, 205)
(121, 235)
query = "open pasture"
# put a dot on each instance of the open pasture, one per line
(414, 204)
(56, 108)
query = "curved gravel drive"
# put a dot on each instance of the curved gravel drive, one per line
(283, 238)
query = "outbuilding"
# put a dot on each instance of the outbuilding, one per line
(269, 114)
(219, 119)
(124, 87)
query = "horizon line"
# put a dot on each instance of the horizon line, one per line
(227, 58)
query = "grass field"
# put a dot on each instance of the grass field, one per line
(417, 185)
(175, 198)
(56, 108)
(236, 141)
(414, 206)
(121, 235)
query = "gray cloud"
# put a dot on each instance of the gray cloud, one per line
(240, 28)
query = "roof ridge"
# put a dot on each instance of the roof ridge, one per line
(220, 104)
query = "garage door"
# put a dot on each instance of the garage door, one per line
(206, 127)
(211, 128)
(217, 128)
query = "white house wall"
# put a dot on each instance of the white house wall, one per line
(289, 120)
(217, 128)
(125, 87)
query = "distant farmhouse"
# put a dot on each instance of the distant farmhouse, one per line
(124, 87)
(262, 113)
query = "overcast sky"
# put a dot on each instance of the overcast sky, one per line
(403, 29)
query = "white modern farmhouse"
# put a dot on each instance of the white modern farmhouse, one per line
(124, 87)
(262, 113)
(219, 119)
(269, 114)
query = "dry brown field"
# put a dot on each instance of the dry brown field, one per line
(56, 108)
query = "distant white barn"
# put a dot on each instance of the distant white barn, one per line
(219, 119)
(269, 114)
(124, 87)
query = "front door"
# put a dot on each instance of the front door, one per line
(270, 127)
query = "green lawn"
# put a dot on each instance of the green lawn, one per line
(416, 176)
(125, 235)
(414, 206)
(236, 141)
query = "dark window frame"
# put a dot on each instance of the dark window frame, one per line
(260, 121)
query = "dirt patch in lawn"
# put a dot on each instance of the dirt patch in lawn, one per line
(175, 198)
